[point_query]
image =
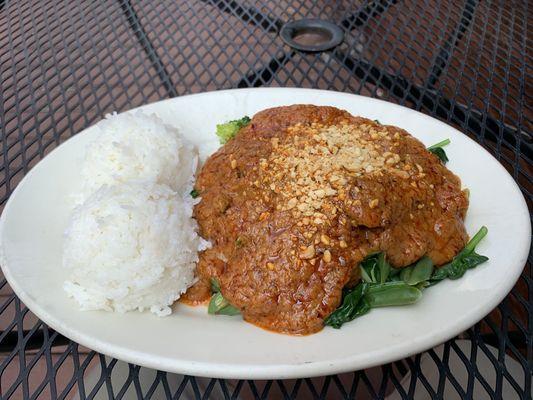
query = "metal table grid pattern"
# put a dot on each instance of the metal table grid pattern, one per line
(65, 64)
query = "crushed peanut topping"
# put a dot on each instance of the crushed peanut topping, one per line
(311, 169)
(308, 252)
(373, 203)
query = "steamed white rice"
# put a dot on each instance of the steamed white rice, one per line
(133, 243)
(137, 147)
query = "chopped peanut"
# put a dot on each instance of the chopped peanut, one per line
(308, 253)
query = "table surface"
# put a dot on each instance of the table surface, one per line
(64, 64)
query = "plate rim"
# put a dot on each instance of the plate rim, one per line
(253, 371)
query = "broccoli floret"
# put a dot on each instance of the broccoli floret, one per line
(227, 131)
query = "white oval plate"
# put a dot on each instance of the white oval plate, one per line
(192, 342)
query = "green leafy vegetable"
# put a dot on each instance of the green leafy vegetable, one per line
(465, 260)
(218, 304)
(375, 268)
(384, 286)
(353, 305)
(377, 121)
(215, 286)
(227, 131)
(423, 285)
(359, 300)
(194, 193)
(392, 294)
(438, 150)
(229, 310)
(419, 272)
(394, 275)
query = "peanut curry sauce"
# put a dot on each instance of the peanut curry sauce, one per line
(301, 195)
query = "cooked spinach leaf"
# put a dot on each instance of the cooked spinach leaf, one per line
(384, 286)
(215, 285)
(194, 193)
(353, 305)
(419, 272)
(218, 304)
(375, 268)
(438, 150)
(465, 260)
(392, 294)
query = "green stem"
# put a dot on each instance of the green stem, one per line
(471, 245)
(397, 295)
(445, 142)
(380, 287)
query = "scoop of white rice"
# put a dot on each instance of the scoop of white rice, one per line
(137, 147)
(132, 243)
(131, 246)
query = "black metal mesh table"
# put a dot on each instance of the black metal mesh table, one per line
(64, 64)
